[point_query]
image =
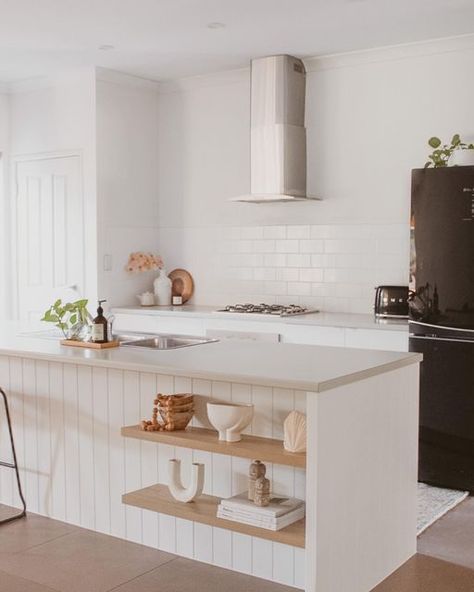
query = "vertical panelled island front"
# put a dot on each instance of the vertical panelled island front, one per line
(83, 461)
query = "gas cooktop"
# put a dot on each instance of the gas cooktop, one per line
(279, 310)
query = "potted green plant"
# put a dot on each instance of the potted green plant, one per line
(72, 318)
(457, 153)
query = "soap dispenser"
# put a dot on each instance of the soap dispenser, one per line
(99, 332)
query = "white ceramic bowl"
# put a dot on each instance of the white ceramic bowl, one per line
(229, 419)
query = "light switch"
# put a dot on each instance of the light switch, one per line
(107, 262)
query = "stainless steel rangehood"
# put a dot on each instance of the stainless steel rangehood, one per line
(277, 131)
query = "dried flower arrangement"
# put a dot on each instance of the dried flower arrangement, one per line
(139, 262)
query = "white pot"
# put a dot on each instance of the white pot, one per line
(229, 419)
(162, 289)
(462, 158)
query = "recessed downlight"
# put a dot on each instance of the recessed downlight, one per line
(216, 25)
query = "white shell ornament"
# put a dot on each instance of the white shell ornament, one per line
(294, 428)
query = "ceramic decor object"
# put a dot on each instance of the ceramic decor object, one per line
(182, 284)
(146, 299)
(256, 470)
(175, 485)
(262, 492)
(162, 289)
(229, 419)
(294, 428)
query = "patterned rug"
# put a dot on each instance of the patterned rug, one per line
(434, 502)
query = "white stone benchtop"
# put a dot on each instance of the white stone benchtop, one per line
(323, 319)
(304, 367)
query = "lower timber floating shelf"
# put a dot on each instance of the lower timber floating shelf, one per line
(204, 509)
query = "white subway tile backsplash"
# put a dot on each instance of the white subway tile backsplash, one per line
(311, 246)
(243, 246)
(233, 232)
(320, 231)
(277, 288)
(323, 289)
(355, 260)
(274, 260)
(298, 232)
(298, 260)
(242, 273)
(348, 275)
(265, 273)
(299, 288)
(252, 232)
(323, 260)
(390, 245)
(264, 246)
(349, 245)
(311, 275)
(287, 246)
(332, 267)
(313, 302)
(246, 260)
(348, 290)
(333, 304)
(274, 232)
(361, 305)
(288, 274)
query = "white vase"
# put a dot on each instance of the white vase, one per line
(462, 158)
(162, 289)
(195, 487)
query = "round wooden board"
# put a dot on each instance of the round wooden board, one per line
(182, 284)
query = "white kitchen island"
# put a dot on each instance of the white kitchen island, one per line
(69, 405)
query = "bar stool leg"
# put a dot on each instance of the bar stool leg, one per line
(14, 464)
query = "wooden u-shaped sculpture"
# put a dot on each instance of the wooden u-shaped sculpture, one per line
(177, 490)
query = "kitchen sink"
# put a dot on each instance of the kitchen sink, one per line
(162, 341)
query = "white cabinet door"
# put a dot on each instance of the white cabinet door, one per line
(49, 233)
(377, 339)
(313, 335)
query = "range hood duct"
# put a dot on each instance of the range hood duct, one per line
(277, 131)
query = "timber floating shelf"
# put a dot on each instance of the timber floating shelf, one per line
(158, 499)
(265, 449)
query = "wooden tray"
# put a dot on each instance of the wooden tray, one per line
(89, 344)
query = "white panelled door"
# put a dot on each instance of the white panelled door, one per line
(49, 241)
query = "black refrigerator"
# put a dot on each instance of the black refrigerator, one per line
(442, 321)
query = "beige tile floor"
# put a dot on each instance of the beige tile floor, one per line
(42, 555)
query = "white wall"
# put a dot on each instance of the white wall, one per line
(57, 116)
(4, 226)
(111, 120)
(368, 118)
(127, 181)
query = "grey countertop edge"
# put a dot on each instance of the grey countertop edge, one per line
(409, 359)
(327, 385)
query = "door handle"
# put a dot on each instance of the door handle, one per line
(435, 338)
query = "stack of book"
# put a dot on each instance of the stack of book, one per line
(281, 512)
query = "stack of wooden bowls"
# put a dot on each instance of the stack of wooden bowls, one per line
(170, 413)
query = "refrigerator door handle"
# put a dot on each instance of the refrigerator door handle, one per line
(436, 338)
(441, 327)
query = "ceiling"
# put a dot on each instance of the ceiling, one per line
(166, 39)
